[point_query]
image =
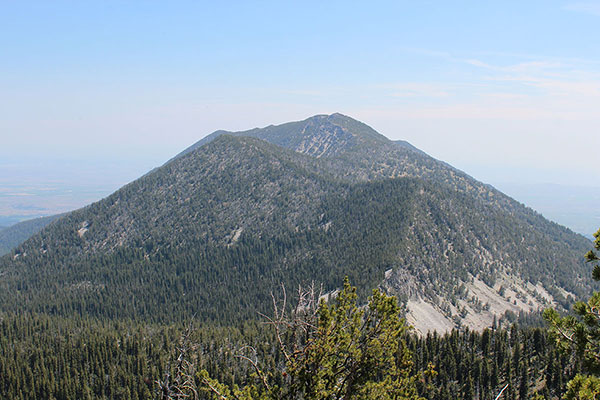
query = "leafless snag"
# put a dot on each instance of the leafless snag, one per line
(181, 385)
(254, 363)
(293, 327)
(297, 323)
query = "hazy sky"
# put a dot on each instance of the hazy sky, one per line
(506, 90)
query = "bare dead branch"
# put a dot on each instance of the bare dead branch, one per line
(215, 390)
(254, 364)
(500, 394)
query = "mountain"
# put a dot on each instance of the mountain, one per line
(318, 136)
(220, 226)
(573, 206)
(16, 234)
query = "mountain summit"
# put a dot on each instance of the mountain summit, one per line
(213, 231)
(318, 136)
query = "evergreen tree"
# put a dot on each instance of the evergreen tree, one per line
(344, 352)
(581, 334)
(524, 384)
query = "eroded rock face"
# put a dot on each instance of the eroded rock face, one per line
(476, 306)
(327, 139)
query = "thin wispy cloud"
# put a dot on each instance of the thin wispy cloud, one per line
(478, 63)
(552, 78)
(538, 66)
(540, 103)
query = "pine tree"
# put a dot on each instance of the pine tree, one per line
(524, 384)
(343, 352)
(581, 335)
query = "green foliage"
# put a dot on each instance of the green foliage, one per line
(72, 358)
(478, 365)
(16, 234)
(592, 257)
(51, 357)
(580, 333)
(55, 358)
(583, 387)
(349, 353)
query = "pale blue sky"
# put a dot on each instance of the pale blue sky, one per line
(508, 91)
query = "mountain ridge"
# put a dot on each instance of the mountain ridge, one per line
(14, 235)
(216, 228)
(335, 123)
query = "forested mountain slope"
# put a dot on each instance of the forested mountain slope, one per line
(216, 229)
(16, 234)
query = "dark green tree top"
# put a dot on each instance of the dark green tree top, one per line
(342, 351)
(580, 333)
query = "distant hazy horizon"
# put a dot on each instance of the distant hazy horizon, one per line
(94, 94)
(45, 186)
